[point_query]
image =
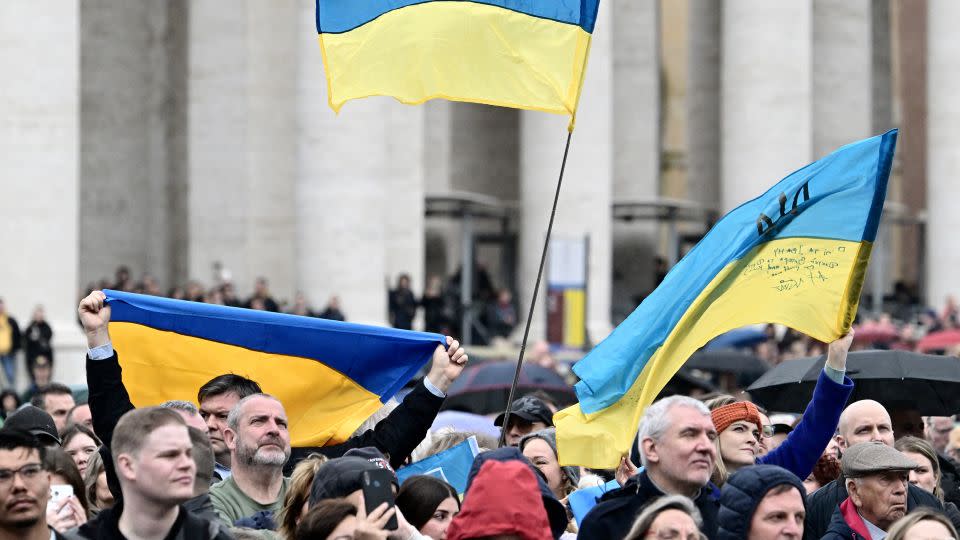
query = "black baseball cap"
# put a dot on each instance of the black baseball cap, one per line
(342, 476)
(36, 422)
(530, 409)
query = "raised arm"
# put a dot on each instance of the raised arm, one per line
(399, 433)
(108, 397)
(806, 443)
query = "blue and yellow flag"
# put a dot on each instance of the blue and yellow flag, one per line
(526, 54)
(330, 375)
(796, 256)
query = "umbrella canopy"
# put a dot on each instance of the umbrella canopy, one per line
(484, 388)
(938, 341)
(898, 379)
(727, 361)
(735, 339)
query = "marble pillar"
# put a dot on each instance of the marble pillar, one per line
(943, 160)
(242, 142)
(342, 191)
(39, 192)
(584, 208)
(767, 95)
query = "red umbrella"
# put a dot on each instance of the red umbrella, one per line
(938, 341)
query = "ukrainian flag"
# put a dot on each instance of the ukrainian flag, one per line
(330, 375)
(526, 54)
(796, 256)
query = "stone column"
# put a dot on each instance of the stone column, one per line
(943, 139)
(637, 128)
(703, 103)
(842, 73)
(912, 143)
(39, 143)
(132, 115)
(242, 142)
(342, 191)
(767, 101)
(585, 199)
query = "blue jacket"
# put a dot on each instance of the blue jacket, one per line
(742, 494)
(805, 444)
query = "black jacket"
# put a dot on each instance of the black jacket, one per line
(838, 529)
(614, 516)
(949, 479)
(396, 435)
(188, 526)
(822, 504)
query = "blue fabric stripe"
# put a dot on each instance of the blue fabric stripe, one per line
(381, 360)
(844, 190)
(338, 16)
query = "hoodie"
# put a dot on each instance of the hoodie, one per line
(504, 498)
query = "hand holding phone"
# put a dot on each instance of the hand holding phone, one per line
(377, 490)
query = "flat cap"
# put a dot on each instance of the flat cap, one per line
(869, 458)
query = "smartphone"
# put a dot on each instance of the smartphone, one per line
(378, 489)
(58, 492)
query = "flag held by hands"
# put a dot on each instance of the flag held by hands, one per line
(329, 375)
(526, 54)
(796, 256)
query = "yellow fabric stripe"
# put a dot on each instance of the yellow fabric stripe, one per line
(462, 51)
(575, 312)
(323, 406)
(802, 283)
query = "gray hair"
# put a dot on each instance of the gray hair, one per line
(233, 418)
(180, 405)
(656, 419)
(668, 502)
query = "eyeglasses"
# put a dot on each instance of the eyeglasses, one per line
(28, 472)
(767, 432)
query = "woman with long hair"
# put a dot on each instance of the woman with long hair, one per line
(429, 504)
(296, 502)
(80, 443)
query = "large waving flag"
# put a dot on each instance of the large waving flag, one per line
(796, 256)
(526, 54)
(330, 375)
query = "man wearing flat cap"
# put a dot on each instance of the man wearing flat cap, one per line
(876, 477)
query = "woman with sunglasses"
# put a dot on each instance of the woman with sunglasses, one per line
(740, 426)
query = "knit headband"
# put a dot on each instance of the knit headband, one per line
(734, 412)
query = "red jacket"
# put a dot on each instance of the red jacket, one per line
(503, 499)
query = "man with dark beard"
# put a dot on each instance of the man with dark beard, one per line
(259, 444)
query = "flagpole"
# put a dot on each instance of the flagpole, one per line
(536, 290)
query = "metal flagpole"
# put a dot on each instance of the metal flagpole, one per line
(536, 292)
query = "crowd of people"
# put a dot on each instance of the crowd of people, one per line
(222, 467)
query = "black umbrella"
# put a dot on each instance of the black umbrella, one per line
(897, 379)
(728, 361)
(484, 388)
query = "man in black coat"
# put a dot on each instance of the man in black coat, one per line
(676, 442)
(861, 421)
(760, 502)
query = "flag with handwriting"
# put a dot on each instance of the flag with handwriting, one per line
(526, 54)
(796, 256)
(329, 375)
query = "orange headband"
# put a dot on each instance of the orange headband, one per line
(734, 412)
